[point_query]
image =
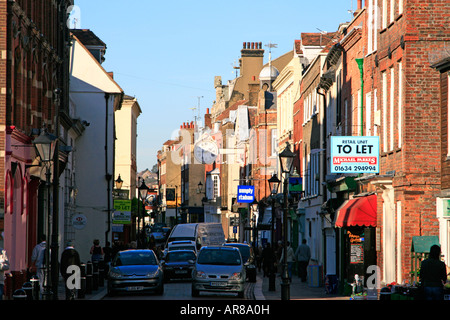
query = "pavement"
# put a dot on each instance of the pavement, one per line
(298, 290)
(97, 294)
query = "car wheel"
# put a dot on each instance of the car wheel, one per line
(160, 290)
(194, 292)
(111, 292)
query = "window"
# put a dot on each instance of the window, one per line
(313, 173)
(384, 15)
(274, 142)
(448, 114)
(384, 110)
(338, 100)
(391, 113)
(215, 186)
(391, 11)
(400, 103)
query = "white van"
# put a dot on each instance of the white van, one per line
(201, 233)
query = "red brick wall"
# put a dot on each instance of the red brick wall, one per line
(417, 162)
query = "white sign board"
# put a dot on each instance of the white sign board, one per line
(354, 154)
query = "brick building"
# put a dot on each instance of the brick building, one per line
(394, 40)
(33, 64)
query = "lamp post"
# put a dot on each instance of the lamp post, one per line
(204, 199)
(45, 145)
(119, 183)
(274, 183)
(254, 205)
(143, 191)
(286, 160)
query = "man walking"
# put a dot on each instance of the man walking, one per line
(303, 255)
(70, 258)
(38, 262)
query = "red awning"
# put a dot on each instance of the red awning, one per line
(361, 211)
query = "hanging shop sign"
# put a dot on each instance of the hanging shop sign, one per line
(245, 194)
(354, 154)
(79, 221)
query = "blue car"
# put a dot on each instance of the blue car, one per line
(135, 271)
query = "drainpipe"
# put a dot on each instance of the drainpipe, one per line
(108, 175)
(360, 62)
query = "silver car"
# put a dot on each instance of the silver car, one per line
(218, 269)
(135, 271)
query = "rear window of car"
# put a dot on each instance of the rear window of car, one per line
(182, 248)
(219, 257)
(180, 256)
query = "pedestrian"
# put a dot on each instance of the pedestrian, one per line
(258, 253)
(303, 255)
(70, 257)
(268, 260)
(38, 262)
(96, 251)
(4, 265)
(108, 251)
(290, 259)
(433, 275)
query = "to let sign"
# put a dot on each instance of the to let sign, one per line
(353, 154)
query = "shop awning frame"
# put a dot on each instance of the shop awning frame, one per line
(358, 211)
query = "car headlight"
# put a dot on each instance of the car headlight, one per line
(115, 274)
(200, 275)
(153, 274)
(236, 276)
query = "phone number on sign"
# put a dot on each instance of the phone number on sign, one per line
(355, 168)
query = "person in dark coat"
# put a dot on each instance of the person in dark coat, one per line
(433, 275)
(69, 257)
(268, 260)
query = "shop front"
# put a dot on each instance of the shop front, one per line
(356, 218)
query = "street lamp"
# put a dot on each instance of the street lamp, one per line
(45, 145)
(286, 160)
(119, 183)
(274, 183)
(143, 191)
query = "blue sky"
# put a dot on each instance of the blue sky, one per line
(167, 53)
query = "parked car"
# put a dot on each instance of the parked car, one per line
(218, 269)
(135, 271)
(248, 256)
(178, 264)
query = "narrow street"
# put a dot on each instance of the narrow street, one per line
(181, 290)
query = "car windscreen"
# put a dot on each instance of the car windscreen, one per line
(219, 257)
(157, 229)
(135, 258)
(180, 256)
